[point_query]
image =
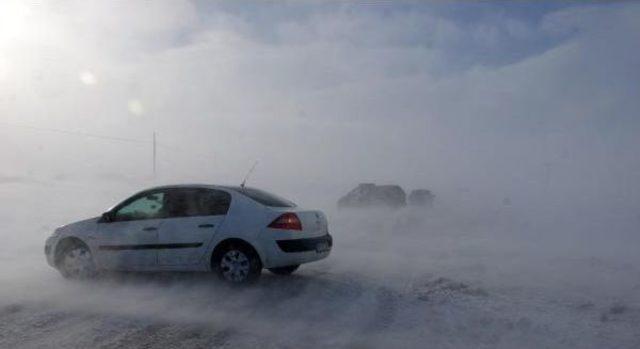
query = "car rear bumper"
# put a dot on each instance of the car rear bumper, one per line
(319, 244)
(286, 252)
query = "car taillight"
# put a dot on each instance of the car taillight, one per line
(288, 221)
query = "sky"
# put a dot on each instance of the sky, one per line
(534, 101)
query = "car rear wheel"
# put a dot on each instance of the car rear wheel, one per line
(76, 262)
(288, 270)
(238, 264)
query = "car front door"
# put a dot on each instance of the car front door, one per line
(128, 238)
(193, 217)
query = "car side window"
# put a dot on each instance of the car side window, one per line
(180, 203)
(196, 202)
(149, 206)
(213, 202)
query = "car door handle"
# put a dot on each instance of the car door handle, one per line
(207, 225)
(149, 228)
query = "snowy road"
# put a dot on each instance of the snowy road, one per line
(402, 279)
(315, 308)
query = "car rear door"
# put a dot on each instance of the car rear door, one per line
(193, 217)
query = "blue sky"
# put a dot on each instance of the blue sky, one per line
(264, 18)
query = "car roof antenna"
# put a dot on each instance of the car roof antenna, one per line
(248, 174)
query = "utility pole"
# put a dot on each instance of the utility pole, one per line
(154, 154)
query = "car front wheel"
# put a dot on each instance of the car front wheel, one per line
(76, 262)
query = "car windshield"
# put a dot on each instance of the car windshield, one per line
(266, 198)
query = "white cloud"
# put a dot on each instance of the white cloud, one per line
(408, 96)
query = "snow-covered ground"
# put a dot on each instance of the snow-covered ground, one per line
(445, 278)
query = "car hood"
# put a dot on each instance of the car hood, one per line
(82, 227)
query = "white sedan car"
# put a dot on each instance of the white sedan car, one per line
(233, 231)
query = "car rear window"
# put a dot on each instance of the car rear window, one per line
(265, 198)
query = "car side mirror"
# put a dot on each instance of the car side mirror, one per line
(105, 218)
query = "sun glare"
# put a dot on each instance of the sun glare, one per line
(14, 18)
(135, 107)
(87, 78)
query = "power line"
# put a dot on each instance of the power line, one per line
(155, 144)
(76, 133)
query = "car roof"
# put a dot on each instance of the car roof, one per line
(194, 185)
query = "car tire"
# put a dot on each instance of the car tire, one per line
(237, 264)
(76, 262)
(288, 270)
